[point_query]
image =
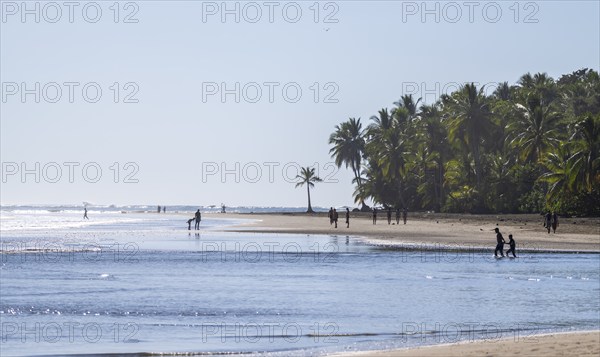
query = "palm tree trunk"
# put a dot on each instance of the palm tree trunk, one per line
(310, 210)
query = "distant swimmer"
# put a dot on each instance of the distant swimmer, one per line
(512, 244)
(198, 218)
(190, 223)
(499, 243)
(85, 213)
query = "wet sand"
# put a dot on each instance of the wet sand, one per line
(437, 230)
(560, 344)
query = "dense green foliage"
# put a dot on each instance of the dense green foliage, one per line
(525, 148)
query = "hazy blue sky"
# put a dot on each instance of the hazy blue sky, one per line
(171, 61)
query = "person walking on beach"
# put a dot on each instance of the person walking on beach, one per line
(198, 218)
(548, 221)
(404, 214)
(164, 209)
(499, 243)
(554, 222)
(389, 215)
(347, 217)
(190, 223)
(85, 213)
(335, 217)
(397, 216)
(374, 215)
(158, 209)
(512, 244)
(330, 216)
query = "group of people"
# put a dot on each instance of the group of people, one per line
(403, 212)
(500, 244)
(164, 209)
(197, 217)
(551, 221)
(334, 216)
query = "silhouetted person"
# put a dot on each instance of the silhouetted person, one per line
(190, 223)
(554, 222)
(499, 243)
(513, 245)
(222, 208)
(85, 213)
(548, 221)
(374, 215)
(404, 215)
(389, 215)
(164, 209)
(335, 217)
(198, 218)
(397, 215)
(330, 216)
(347, 217)
(158, 209)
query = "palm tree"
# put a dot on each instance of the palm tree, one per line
(534, 130)
(406, 111)
(469, 120)
(587, 154)
(380, 124)
(561, 173)
(348, 146)
(307, 176)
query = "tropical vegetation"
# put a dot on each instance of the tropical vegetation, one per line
(528, 147)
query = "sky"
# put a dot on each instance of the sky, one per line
(202, 103)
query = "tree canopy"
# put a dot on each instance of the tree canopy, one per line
(529, 147)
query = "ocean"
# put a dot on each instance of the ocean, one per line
(131, 281)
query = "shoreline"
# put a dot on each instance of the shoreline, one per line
(424, 231)
(575, 343)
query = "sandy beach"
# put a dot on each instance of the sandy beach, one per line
(560, 344)
(443, 231)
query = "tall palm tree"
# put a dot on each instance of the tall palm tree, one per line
(586, 141)
(348, 146)
(469, 120)
(561, 173)
(380, 124)
(307, 176)
(534, 132)
(406, 111)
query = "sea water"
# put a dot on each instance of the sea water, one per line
(143, 283)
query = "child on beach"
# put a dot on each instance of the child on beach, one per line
(512, 244)
(190, 223)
